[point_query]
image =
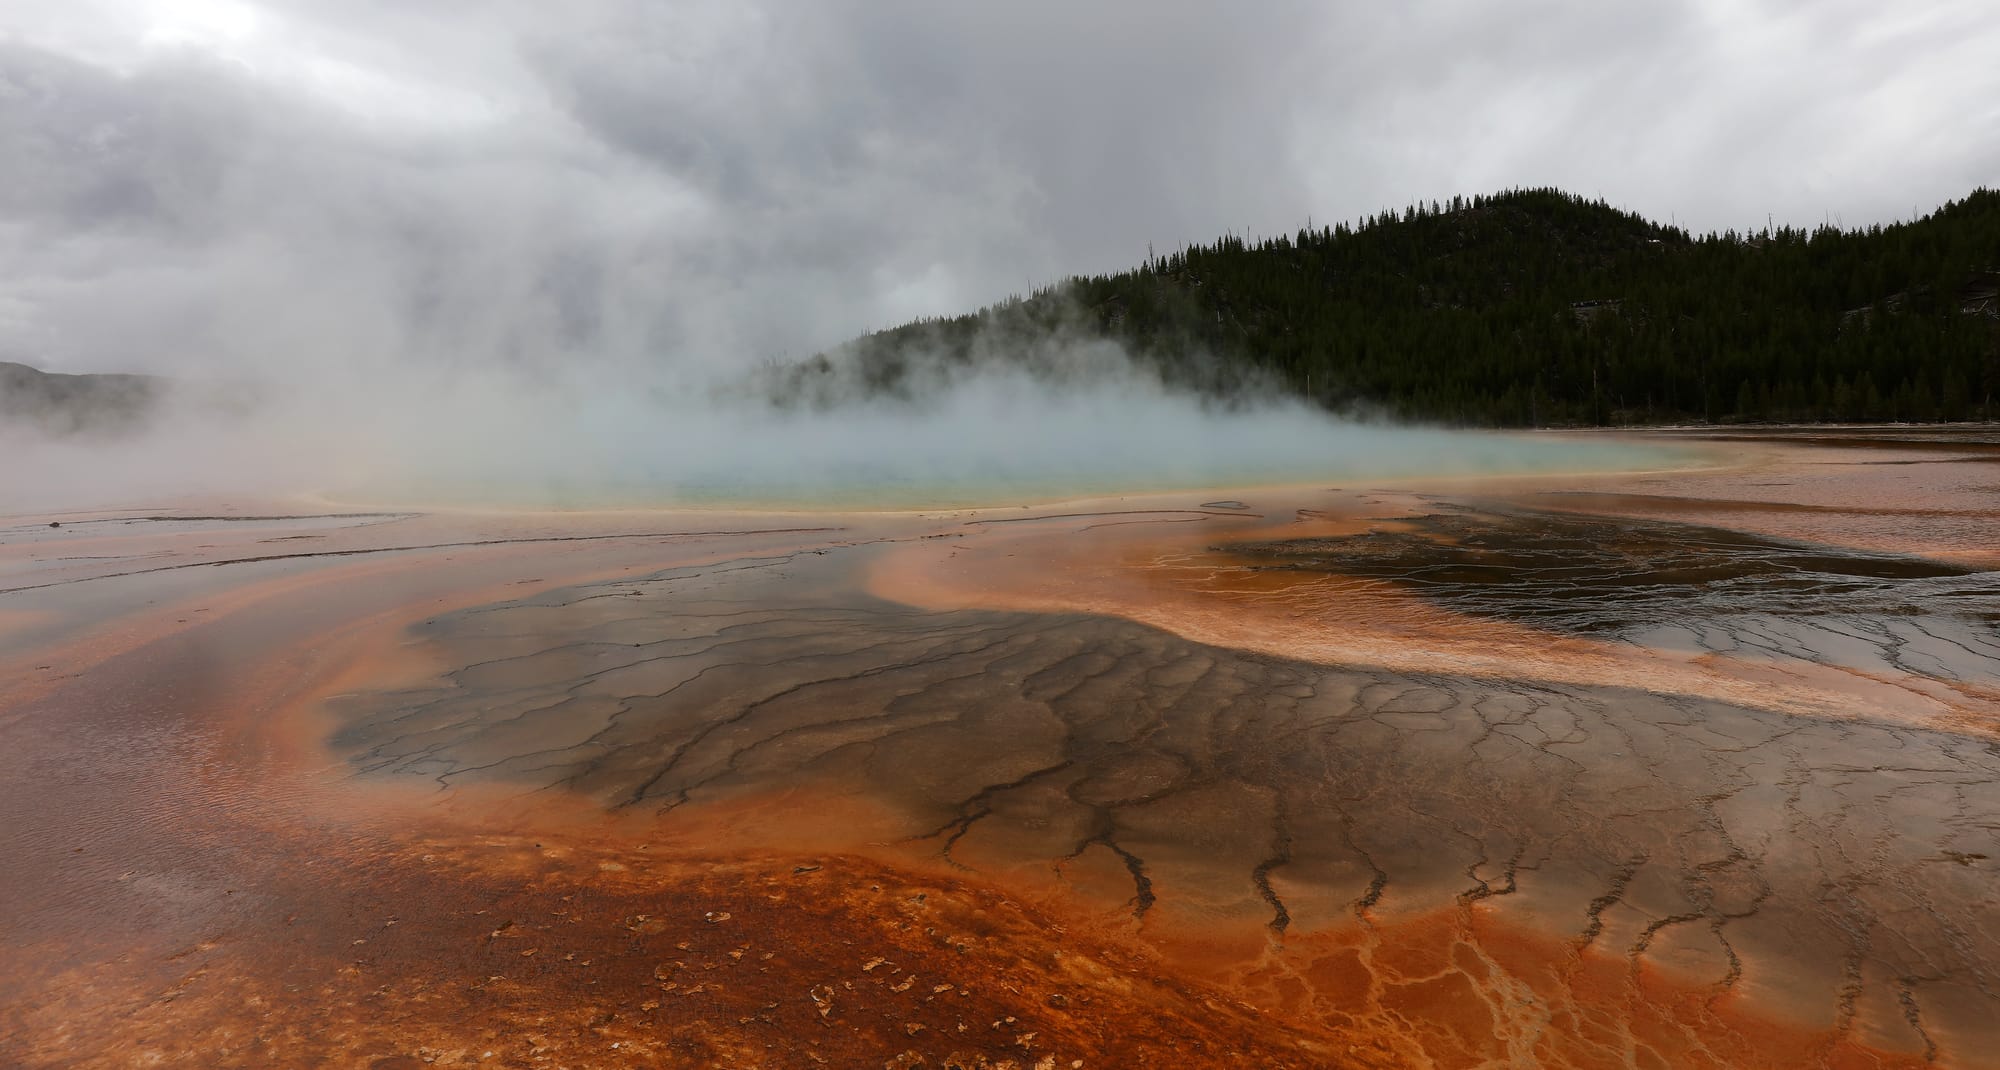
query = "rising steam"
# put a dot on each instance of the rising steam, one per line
(554, 305)
(993, 435)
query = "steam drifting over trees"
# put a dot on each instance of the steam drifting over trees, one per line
(1527, 307)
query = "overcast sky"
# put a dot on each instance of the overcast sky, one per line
(213, 186)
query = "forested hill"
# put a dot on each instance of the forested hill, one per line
(56, 403)
(1530, 307)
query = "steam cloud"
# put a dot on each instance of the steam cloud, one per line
(999, 435)
(453, 244)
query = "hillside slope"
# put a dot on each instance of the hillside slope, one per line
(60, 403)
(1528, 307)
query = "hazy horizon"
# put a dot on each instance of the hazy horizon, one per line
(469, 239)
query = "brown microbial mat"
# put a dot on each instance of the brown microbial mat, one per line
(1582, 771)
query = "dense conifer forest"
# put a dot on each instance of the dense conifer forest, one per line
(1525, 308)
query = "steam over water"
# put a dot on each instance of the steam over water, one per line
(993, 440)
(968, 456)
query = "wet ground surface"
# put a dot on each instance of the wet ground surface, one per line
(1680, 586)
(1220, 788)
(1681, 769)
(1589, 574)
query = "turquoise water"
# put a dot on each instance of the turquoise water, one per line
(933, 471)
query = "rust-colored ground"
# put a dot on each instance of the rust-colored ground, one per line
(1317, 777)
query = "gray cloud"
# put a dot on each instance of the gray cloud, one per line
(301, 187)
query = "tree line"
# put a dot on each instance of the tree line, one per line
(1530, 307)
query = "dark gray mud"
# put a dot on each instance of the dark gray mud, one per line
(1683, 587)
(1587, 575)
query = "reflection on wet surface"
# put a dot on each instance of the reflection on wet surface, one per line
(1679, 586)
(1903, 490)
(1422, 777)
(1583, 574)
